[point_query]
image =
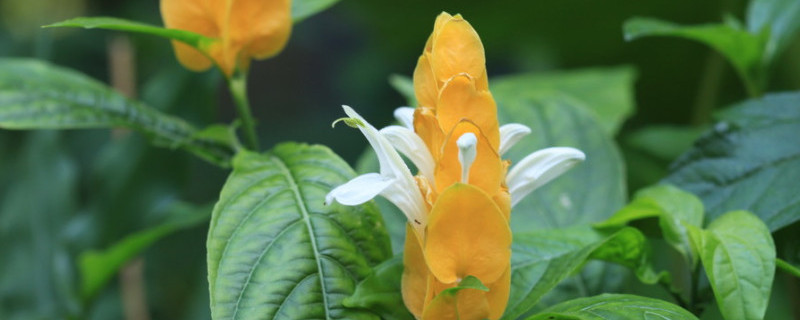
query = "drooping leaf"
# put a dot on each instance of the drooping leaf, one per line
(749, 161)
(542, 259)
(743, 49)
(275, 251)
(738, 256)
(606, 92)
(38, 95)
(381, 291)
(676, 210)
(110, 23)
(781, 18)
(97, 267)
(614, 307)
(302, 9)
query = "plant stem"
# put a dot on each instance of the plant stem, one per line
(238, 86)
(788, 268)
(693, 299)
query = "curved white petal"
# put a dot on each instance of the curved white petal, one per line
(405, 115)
(412, 146)
(539, 168)
(510, 134)
(359, 190)
(403, 191)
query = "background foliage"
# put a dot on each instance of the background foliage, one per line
(73, 200)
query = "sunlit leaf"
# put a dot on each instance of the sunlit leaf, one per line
(614, 307)
(38, 95)
(276, 251)
(738, 255)
(676, 210)
(749, 161)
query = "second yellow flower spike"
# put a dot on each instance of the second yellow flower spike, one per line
(244, 30)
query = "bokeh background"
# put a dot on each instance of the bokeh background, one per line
(62, 193)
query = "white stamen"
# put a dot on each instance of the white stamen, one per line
(467, 151)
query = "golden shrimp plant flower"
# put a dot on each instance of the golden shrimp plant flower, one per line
(243, 30)
(459, 204)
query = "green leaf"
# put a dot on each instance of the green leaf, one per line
(676, 210)
(110, 23)
(276, 251)
(749, 161)
(614, 307)
(38, 95)
(738, 255)
(302, 9)
(663, 142)
(381, 291)
(606, 92)
(588, 193)
(97, 267)
(780, 18)
(743, 49)
(405, 87)
(542, 259)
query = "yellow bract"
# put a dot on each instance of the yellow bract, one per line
(245, 30)
(468, 232)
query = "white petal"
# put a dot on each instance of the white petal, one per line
(510, 134)
(467, 151)
(403, 192)
(359, 190)
(412, 146)
(405, 115)
(539, 168)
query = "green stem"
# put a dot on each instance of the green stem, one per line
(788, 268)
(238, 86)
(693, 295)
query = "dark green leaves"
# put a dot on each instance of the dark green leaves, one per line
(739, 258)
(97, 267)
(110, 23)
(750, 161)
(614, 307)
(275, 251)
(381, 291)
(743, 49)
(542, 259)
(38, 95)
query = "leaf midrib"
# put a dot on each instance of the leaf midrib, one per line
(293, 186)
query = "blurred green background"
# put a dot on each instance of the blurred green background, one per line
(69, 191)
